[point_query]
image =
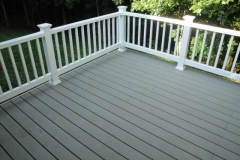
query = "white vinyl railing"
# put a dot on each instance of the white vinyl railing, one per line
(192, 44)
(52, 52)
(29, 61)
(93, 38)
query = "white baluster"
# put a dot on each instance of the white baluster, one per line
(71, 44)
(64, 47)
(202, 49)
(89, 40)
(99, 36)
(58, 50)
(176, 42)
(83, 41)
(211, 47)
(219, 50)
(145, 32)
(170, 38)
(23, 62)
(163, 37)
(236, 58)
(5, 71)
(157, 36)
(32, 60)
(77, 42)
(94, 37)
(139, 30)
(228, 51)
(109, 32)
(133, 33)
(150, 38)
(40, 57)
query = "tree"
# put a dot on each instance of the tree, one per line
(5, 14)
(65, 4)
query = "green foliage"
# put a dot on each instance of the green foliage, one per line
(118, 2)
(199, 47)
(221, 12)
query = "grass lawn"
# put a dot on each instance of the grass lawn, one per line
(10, 33)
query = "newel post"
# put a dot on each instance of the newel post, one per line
(49, 53)
(122, 28)
(185, 42)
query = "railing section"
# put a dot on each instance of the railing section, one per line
(80, 42)
(153, 35)
(29, 61)
(215, 50)
(208, 48)
(34, 59)
(23, 65)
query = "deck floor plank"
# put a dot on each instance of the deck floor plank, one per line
(199, 76)
(22, 135)
(40, 134)
(120, 107)
(88, 119)
(212, 135)
(161, 95)
(187, 135)
(104, 120)
(39, 109)
(4, 154)
(8, 140)
(217, 114)
(125, 106)
(71, 125)
(233, 129)
(189, 89)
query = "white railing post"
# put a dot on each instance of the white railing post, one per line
(122, 28)
(49, 53)
(185, 42)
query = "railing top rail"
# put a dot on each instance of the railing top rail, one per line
(20, 40)
(157, 18)
(182, 22)
(84, 22)
(215, 29)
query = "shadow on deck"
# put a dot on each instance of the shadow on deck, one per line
(125, 106)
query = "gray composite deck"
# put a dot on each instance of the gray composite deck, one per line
(125, 106)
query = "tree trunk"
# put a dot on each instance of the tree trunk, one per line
(56, 15)
(229, 62)
(33, 22)
(26, 13)
(5, 14)
(46, 15)
(15, 7)
(39, 16)
(97, 7)
(64, 14)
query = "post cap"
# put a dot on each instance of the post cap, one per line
(122, 8)
(44, 26)
(188, 18)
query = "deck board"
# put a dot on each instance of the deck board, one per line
(125, 106)
(89, 120)
(26, 135)
(4, 154)
(171, 79)
(107, 82)
(9, 140)
(52, 123)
